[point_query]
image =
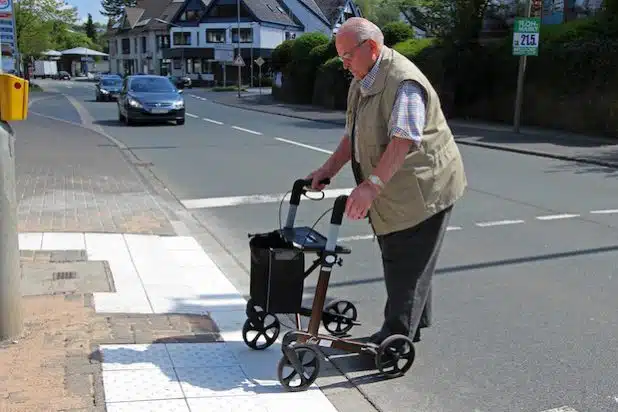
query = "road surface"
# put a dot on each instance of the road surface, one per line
(525, 307)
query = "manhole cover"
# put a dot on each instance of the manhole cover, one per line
(64, 275)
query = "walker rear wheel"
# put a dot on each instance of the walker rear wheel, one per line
(339, 317)
(395, 356)
(309, 363)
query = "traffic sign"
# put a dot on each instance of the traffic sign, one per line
(526, 32)
(238, 61)
(259, 61)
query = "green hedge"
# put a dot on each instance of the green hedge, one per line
(331, 85)
(571, 85)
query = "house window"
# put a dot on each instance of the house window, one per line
(194, 66)
(144, 45)
(163, 42)
(190, 15)
(182, 39)
(126, 46)
(246, 35)
(215, 36)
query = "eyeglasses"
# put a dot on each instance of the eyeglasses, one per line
(350, 54)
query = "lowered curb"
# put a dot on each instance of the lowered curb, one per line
(539, 153)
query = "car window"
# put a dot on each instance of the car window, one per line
(151, 85)
(111, 82)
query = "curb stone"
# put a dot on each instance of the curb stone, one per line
(538, 153)
(529, 152)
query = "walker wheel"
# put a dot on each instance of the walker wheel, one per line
(395, 356)
(342, 313)
(261, 325)
(309, 362)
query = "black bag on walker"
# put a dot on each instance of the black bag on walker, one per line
(277, 273)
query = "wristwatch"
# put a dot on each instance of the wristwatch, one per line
(376, 181)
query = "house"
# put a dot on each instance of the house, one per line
(205, 38)
(139, 37)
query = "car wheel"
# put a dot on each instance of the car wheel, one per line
(98, 98)
(180, 122)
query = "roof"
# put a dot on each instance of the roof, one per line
(271, 11)
(331, 9)
(267, 11)
(83, 51)
(143, 17)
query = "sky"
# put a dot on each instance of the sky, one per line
(88, 6)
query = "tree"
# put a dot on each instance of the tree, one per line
(34, 23)
(114, 8)
(90, 29)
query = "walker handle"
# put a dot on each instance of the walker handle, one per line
(299, 189)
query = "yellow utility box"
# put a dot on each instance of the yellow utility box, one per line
(13, 98)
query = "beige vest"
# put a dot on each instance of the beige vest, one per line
(432, 177)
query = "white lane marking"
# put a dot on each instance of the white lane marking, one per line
(604, 211)
(351, 238)
(561, 409)
(556, 217)
(192, 115)
(211, 121)
(369, 237)
(499, 223)
(246, 130)
(317, 149)
(228, 201)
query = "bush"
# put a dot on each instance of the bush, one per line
(396, 32)
(331, 85)
(300, 72)
(282, 55)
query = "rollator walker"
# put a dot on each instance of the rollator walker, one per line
(276, 287)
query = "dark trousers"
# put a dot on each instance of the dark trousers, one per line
(409, 260)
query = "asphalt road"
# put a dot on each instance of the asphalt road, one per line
(525, 307)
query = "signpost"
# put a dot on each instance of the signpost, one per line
(259, 61)
(8, 36)
(526, 32)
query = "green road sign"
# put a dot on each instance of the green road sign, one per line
(526, 36)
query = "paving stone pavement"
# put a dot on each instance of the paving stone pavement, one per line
(72, 179)
(56, 364)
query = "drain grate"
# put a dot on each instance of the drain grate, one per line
(64, 275)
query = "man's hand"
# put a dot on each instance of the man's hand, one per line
(360, 200)
(317, 176)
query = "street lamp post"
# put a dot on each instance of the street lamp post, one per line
(238, 42)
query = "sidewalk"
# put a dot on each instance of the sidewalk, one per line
(120, 313)
(534, 141)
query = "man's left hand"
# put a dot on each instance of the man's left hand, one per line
(360, 200)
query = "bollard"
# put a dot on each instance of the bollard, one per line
(11, 322)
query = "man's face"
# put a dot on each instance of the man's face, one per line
(357, 57)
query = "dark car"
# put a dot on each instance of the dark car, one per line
(181, 82)
(62, 75)
(108, 88)
(148, 98)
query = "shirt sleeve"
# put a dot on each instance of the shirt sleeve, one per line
(407, 119)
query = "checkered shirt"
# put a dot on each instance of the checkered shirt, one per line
(407, 119)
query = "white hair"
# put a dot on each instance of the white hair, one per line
(363, 29)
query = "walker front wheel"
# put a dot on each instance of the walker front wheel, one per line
(304, 365)
(261, 330)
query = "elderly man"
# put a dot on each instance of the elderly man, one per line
(408, 170)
